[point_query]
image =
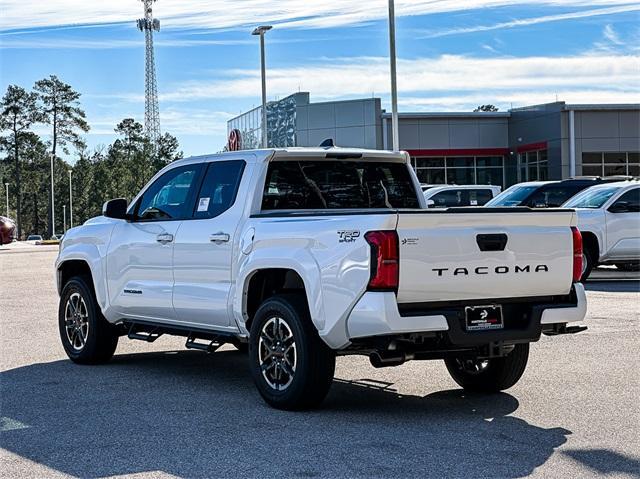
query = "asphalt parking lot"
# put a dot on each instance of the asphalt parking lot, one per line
(158, 410)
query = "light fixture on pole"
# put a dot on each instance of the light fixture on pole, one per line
(53, 206)
(261, 30)
(70, 202)
(394, 86)
(64, 219)
(6, 185)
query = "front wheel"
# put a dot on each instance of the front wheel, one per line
(87, 337)
(489, 375)
(291, 366)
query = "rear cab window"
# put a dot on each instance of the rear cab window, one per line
(338, 184)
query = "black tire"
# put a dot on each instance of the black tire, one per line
(628, 266)
(497, 374)
(589, 264)
(313, 361)
(101, 337)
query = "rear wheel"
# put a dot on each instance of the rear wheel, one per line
(291, 366)
(87, 337)
(489, 375)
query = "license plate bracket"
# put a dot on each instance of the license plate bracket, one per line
(484, 317)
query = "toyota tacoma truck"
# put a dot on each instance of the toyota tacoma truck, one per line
(301, 255)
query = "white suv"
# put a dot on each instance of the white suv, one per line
(609, 219)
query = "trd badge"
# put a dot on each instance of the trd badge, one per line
(348, 236)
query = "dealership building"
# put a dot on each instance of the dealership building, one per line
(539, 142)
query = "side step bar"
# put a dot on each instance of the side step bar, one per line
(210, 347)
(148, 336)
(201, 339)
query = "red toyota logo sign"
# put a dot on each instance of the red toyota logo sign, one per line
(234, 140)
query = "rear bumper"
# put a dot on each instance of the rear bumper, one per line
(377, 314)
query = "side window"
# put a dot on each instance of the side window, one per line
(628, 202)
(447, 198)
(219, 189)
(170, 196)
(552, 196)
(479, 197)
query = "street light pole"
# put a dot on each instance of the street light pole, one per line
(6, 185)
(261, 31)
(70, 202)
(53, 207)
(64, 219)
(394, 86)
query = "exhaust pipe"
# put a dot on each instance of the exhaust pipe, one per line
(385, 359)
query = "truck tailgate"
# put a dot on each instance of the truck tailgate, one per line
(484, 254)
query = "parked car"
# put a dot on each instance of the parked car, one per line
(35, 238)
(445, 196)
(299, 255)
(7, 230)
(547, 194)
(609, 219)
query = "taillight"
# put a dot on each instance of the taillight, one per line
(577, 254)
(385, 264)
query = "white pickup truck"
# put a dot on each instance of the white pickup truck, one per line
(299, 255)
(609, 221)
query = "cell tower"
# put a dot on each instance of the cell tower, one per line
(148, 25)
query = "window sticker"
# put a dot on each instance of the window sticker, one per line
(203, 204)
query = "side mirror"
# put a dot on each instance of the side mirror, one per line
(620, 207)
(116, 209)
(430, 203)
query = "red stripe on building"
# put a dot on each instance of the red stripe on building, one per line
(541, 145)
(461, 152)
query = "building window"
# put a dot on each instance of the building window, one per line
(534, 166)
(460, 170)
(611, 164)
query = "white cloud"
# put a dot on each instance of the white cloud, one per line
(207, 14)
(61, 43)
(363, 76)
(505, 100)
(611, 35)
(543, 19)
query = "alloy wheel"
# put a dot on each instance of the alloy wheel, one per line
(277, 353)
(76, 321)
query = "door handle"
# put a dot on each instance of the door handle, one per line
(219, 237)
(164, 238)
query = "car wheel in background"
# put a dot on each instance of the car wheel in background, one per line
(87, 337)
(587, 264)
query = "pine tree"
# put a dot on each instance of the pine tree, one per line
(18, 114)
(59, 106)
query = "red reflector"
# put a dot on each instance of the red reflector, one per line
(577, 254)
(385, 264)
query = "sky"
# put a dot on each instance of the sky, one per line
(452, 56)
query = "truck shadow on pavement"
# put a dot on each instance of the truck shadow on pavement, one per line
(194, 415)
